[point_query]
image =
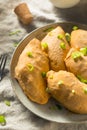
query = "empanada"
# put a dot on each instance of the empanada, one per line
(79, 38)
(68, 90)
(76, 63)
(57, 48)
(30, 71)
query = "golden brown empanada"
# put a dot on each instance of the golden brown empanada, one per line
(79, 38)
(30, 72)
(68, 90)
(57, 48)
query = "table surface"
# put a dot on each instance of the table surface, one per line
(17, 116)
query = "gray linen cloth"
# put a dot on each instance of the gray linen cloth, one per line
(17, 116)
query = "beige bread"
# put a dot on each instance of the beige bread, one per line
(29, 71)
(79, 38)
(55, 52)
(68, 90)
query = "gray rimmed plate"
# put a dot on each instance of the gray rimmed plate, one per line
(52, 110)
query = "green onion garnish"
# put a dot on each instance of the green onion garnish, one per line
(29, 54)
(44, 46)
(2, 120)
(76, 55)
(85, 90)
(75, 28)
(51, 77)
(53, 108)
(7, 102)
(30, 67)
(14, 33)
(60, 36)
(60, 82)
(15, 44)
(50, 33)
(48, 29)
(43, 74)
(47, 90)
(82, 79)
(84, 51)
(62, 45)
(59, 106)
(73, 91)
(68, 37)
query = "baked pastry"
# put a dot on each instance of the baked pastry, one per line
(79, 38)
(76, 62)
(51, 68)
(30, 72)
(57, 48)
(68, 90)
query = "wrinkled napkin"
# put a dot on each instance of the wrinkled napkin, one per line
(17, 116)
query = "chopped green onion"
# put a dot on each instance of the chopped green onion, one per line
(14, 33)
(29, 54)
(62, 45)
(73, 91)
(44, 46)
(68, 37)
(2, 120)
(50, 33)
(60, 82)
(75, 28)
(51, 77)
(7, 102)
(84, 51)
(85, 90)
(30, 67)
(59, 106)
(15, 44)
(81, 79)
(48, 29)
(47, 90)
(60, 36)
(76, 55)
(43, 74)
(53, 108)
